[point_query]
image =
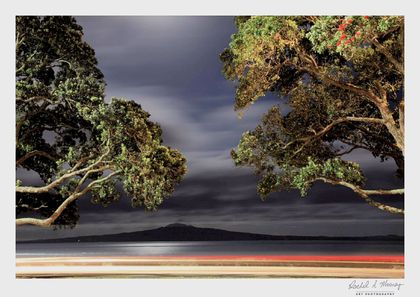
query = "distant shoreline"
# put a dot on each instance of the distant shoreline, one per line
(181, 232)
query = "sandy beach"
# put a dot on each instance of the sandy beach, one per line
(212, 267)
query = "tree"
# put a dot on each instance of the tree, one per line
(78, 144)
(343, 79)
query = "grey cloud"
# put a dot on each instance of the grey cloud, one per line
(180, 52)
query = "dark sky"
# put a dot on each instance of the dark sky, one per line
(170, 66)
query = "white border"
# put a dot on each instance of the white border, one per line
(194, 287)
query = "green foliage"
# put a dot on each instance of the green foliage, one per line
(351, 36)
(250, 53)
(256, 37)
(288, 56)
(55, 70)
(64, 124)
(105, 194)
(333, 169)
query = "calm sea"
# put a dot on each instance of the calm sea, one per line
(286, 247)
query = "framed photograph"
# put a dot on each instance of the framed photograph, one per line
(259, 149)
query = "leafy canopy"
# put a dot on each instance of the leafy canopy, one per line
(343, 79)
(76, 142)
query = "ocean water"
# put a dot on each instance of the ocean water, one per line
(210, 248)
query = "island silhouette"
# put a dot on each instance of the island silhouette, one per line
(184, 232)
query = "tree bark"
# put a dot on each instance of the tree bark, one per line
(76, 195)
(390, 123)
(366, 193)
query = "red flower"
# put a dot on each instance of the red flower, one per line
(347, 41)
(350, 21)
(352, 38)
(366, 17)
(342, 27)
(358, 33)
(343, 36)
(338, 43)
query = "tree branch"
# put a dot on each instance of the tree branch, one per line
(380, 101)
(43, 189)
(73, 197)
(401, 116)
(365, 194)
(383, 50)
(327, 128)
(32, 208)
(34, 153)
(315, 70)
(391, 125)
